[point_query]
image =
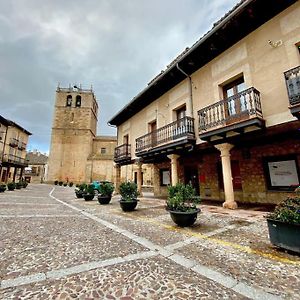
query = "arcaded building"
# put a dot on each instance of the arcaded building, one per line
(224, 115)
(77, 154)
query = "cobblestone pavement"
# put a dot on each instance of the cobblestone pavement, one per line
(54, 246)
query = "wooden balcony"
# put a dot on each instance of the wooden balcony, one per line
(292, 79)
(123, 154)
(13, 142)
(238, 114)
(14, 161)
(166, 138)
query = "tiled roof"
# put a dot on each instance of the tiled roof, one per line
(36, 158)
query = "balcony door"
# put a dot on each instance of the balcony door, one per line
(153, 137)
(235, 106)
(181, 126)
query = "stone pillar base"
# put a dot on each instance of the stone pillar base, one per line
(230, 205)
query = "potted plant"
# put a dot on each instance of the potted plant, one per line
(80, 190)
(70, 184)
(11, 186)
(129, 193)
(24, 183)
(19, 185)
(105, 192)
(60, 183)
(56, 182)
(2, 187)
(88, 193)
(181, 204)
(65, 184)
(284, 223)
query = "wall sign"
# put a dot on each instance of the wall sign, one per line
(282, 174)
(165, 178)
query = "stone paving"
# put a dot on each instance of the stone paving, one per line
(54, 246)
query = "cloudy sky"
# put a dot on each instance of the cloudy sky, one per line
(118, 46)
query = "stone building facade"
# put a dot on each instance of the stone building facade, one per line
(36, 171)
(76, 153)
(13, 143)
(224, 115)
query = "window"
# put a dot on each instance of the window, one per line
(69, 100)
(281, 172)
(78, 101)
(235, 104)
(181, 113)
(103, 150)
(165, 177)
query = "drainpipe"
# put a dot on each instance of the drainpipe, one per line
(189, 104)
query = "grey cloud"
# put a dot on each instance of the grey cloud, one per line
(116, 45)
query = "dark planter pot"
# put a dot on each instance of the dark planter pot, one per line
(284, 235)
(18, 187)
(79, 194)
(184, 219)
(88, 197)
(2, 189)
(10, 188)
(128, 205)
(104, 199)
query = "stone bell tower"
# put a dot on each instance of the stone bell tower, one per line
(73, 129)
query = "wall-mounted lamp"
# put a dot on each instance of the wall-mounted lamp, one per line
(275, 44)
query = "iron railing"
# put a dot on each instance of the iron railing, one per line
(292, 79)
(170, 133)
(238, 108)
(13, 142)
(122, 152)
(10, 158)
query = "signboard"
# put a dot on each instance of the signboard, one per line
(283, 173)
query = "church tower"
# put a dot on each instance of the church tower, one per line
(73, 130)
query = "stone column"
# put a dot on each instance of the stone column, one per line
(139, 179)
(156, 180)
(174, 168)
(117, 178)
(227, 175)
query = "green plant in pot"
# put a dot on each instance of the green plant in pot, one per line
(56, 182)
(2, 187)
(181, 204)
(19, 185)
(70, 184)
(11, 186)
(24, 183)
(105, 192)
(79, 191)
(60, 183)
(88, 193)
(129, 193)
(284, 223)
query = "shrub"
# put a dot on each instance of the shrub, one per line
(128, 191)
(288, 211)
(182, 198)
(18, 185)
(2, 187)
(11, 186)
(60, 183)
(89, 189)
(65, 183)
(106, 189)
(56, 182)
(70, 184)
(24, 183)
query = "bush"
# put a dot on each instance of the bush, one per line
(11, 186)
(106, 189)
(2, 187)
(65, 184)
(182, 198)
(89, 189)
(60, 183)
(24, 183)
(19, 185)
(56, 182)
(288, 211)
(128, 191)
(70, 184)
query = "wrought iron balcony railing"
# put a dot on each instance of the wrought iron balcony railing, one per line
(21, 146)
(13, 142)
(122, 152)
(292, 79)
(182, 128)
(13, 159)
(238, 108)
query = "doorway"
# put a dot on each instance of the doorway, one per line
(191, 177)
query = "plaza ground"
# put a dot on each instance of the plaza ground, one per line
(54, 246)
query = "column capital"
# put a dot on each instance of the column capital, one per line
(173, 156)
(224, 148)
